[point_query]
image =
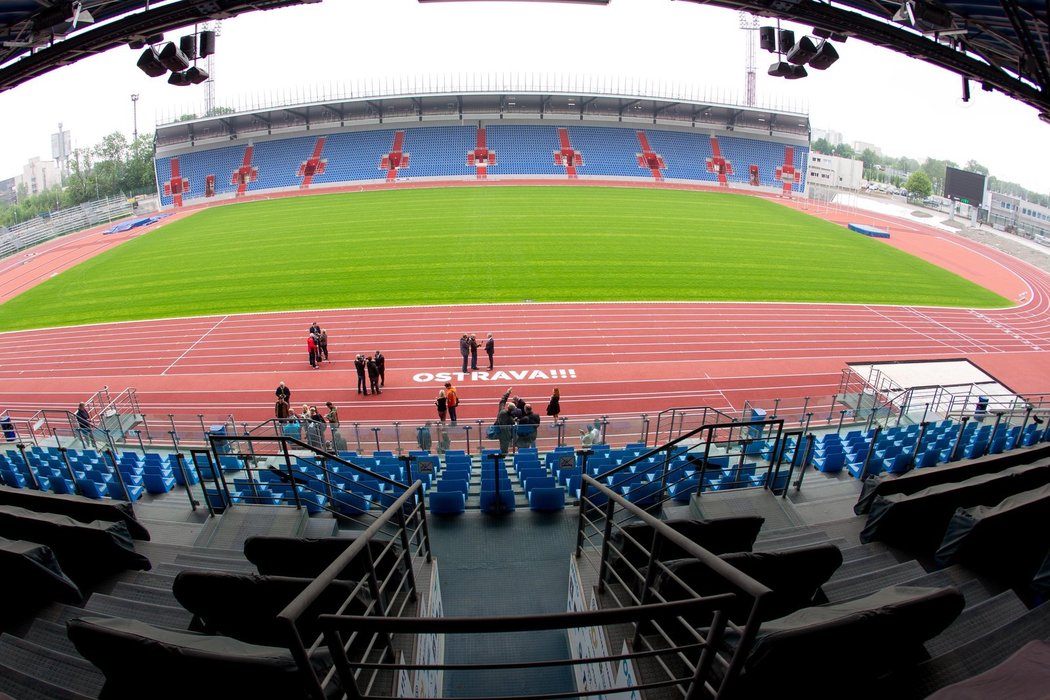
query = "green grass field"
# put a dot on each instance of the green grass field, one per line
(488, 244)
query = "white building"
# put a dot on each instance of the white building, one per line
(39, 176)
(1015, 215)
(832, 171)
(832, 137)
(861, 146)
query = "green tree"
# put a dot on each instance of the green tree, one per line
(975, 167)
(822, 146)
(870, 158)
(919, 184)
(844, 150)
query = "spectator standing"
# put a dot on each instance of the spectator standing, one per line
(281, 409)
(464, 350)
(315, 329)
(442, 405)
(505, 424)
(311, 348)
(472, 343)
(360, 366)
(528, 427)
(338, 443)
(283, 392)
(503, 399)
(554, 405)
(322, 345)
(373, 376)
(305, 423)
(315, 429)
(490, 349)
(381, 364)
(84, 426)
(452, 400)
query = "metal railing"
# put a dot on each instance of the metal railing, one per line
(664, 646)
(27, 234)
(394, 595)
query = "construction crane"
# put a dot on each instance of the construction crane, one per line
(749, 23)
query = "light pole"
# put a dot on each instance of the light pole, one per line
(135, 117)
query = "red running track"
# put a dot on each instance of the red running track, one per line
(606, 357)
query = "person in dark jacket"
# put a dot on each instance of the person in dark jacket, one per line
(322, 345)
(442, 405)
(373, 376)
(472, 343)
(528, 427)
(84, 424)
(554, 405)
(381, 364)
(360, 365)
(490, 349)
(505, 423)
(283, 392)
(464, 349)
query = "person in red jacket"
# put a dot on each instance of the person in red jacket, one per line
(311, 348)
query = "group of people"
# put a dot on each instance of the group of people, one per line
(516, 422)
(317, 345)
(447, 401)
(310, 424)
(374, 368)
(468, 348)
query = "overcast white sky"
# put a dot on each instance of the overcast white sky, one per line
(875, 95)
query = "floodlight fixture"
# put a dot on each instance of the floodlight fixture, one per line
(150, 63)
(173, 59)
(801, 52)
(196, 75)
(825, 56)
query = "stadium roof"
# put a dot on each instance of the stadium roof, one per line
(1000, 44)
(526, 106)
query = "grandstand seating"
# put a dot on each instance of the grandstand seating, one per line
(440, 152)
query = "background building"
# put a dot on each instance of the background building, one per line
(39, 176)
(1009, 213)
(832, 171)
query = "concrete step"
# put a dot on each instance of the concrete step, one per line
(160, 615)
(868, 583)
(50, 666)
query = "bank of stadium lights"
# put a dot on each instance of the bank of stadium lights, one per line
(161, 56)
(816, 51)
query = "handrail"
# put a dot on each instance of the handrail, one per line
(675, 411)
(699, 653)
